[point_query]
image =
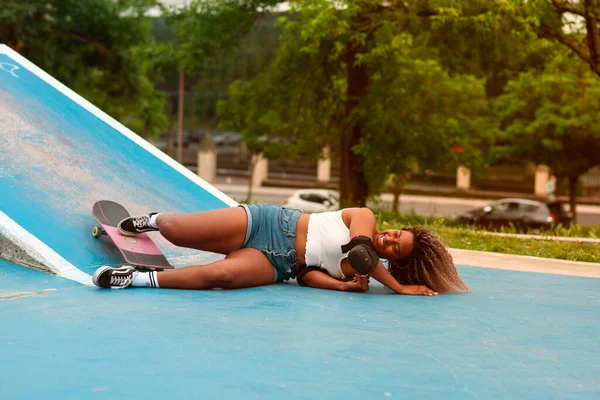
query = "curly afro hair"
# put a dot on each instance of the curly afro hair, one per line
(429, 264)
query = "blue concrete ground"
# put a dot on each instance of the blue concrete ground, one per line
(516, 335)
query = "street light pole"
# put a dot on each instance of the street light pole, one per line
(181, 110)
(180, 116)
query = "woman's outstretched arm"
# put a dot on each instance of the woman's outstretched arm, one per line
(381, 274)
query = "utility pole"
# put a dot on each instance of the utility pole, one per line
(180, 116)
(180, 113)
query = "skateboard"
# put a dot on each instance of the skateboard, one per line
(139, 251)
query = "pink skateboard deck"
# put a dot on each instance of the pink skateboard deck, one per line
(139, 250)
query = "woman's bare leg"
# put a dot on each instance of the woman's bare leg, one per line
(240, 269)
(219, 231)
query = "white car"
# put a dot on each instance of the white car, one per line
(314, 200)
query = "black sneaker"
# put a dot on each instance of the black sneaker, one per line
(114, 278)
(133, 226)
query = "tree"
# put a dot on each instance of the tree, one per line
(553, 117)
(343, 73)
(244, 111)
(489, 39)
(205, 29)
(418, 113)
(102, 49)
(573, 23)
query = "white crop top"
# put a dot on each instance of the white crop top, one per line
(327, 233)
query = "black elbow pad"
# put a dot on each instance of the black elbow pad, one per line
(361, 254)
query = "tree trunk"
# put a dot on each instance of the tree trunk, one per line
(353, 184)
(573, 196)
(397, 185)
(251, 164)
(593, 34)
(588, 50)
(396, 201)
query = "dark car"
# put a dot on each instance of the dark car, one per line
(523, 214)
(227, 139)
(558, 212)
(189, 137)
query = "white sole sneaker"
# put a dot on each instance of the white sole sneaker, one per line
(97, 274)
(105, 275)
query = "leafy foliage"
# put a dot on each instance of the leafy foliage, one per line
(356, 76)
(206, 28)
(419, 110)
(102, 49)
(552, 117)
(573, 24)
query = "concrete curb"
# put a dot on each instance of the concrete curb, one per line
(524, 263)
(541, 237)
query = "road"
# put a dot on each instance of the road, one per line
(446, 207)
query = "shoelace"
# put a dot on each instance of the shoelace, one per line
(140, 222)
(121, 280)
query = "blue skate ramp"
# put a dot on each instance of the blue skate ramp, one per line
(59, 154)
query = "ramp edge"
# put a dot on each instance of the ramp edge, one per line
(28, 251)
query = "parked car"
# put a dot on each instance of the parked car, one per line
(189, 138)
(314, 200)
(559, 213)
(523, 214)
(227, 139)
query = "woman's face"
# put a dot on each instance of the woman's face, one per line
(394, 244)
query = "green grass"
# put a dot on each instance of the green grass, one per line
(461, 237)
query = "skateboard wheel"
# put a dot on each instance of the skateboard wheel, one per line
(97, 232)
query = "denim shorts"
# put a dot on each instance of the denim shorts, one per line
(272, 230)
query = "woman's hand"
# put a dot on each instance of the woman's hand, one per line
(360, 283)
(417, 290)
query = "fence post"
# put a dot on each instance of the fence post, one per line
(324, 166)
(261, 169)
(463, 178)
(207, 161)
(542, 174)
